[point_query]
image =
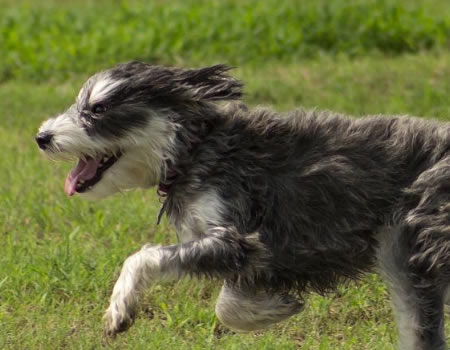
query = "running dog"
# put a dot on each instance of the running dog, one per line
(274, 204)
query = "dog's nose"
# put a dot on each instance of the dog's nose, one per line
(43, 139)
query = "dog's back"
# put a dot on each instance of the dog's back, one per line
(317, 186)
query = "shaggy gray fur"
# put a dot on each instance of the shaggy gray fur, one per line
(299, 201)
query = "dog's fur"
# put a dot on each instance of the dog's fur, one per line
(275, 204)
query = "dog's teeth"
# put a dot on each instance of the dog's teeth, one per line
(105, 158)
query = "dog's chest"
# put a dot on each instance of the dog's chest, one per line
(192, 217)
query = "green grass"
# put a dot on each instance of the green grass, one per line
(40, 42)
(60, 256)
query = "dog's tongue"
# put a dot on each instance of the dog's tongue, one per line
(83, 171)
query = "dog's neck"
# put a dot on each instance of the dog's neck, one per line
(194, 128)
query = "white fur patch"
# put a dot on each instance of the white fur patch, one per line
(400, 290)
(138, 272)
(198, 215)
(253, 311)
(102, 87)
(143, 159)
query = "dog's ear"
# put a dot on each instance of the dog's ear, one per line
(210, 84)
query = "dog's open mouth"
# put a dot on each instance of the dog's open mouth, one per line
(88, 172)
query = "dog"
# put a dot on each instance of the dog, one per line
(274, 204)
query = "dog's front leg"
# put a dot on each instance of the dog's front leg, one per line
(222, 253)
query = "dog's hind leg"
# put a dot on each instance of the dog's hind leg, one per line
(417, 300)
(415, 258)
(244, 309)
(221, 253)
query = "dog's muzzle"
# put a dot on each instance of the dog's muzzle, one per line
(43, 139)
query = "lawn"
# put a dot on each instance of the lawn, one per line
(60, 256)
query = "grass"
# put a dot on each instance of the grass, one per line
(59, 257)
(58, 40)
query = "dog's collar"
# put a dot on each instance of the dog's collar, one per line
(163, 191)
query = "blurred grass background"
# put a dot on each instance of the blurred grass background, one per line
(59, 257)
(60, 39)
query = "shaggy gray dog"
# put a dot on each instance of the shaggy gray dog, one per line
(274, 204)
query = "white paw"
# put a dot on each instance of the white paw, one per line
(118, 318)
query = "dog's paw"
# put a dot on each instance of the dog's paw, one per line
(118, 319)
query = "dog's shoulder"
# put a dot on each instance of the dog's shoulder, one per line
(193, 212)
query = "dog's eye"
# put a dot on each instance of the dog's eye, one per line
(98, 108)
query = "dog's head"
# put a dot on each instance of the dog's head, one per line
(123, 124)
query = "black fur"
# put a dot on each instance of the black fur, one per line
(335, 179)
